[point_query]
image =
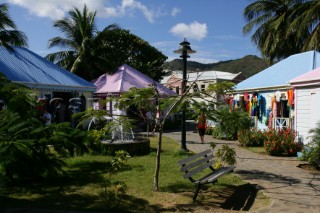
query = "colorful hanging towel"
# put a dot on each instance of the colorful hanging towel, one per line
(245, 96)
(290, 95)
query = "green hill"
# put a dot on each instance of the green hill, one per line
(248, 65)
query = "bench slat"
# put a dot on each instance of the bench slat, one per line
(215, 175)
(193, 157)
(198, 169)
(197, 163)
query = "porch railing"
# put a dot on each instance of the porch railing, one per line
(280, 123)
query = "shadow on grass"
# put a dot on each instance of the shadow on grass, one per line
(74, 202)
(52, 201)
(236, 198)
(178, 187)
(209, 199)
(81, 189)
(242, 198)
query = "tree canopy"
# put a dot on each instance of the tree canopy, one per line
(125, 47)
(84, 52)
(282, 28)
(90, 53)
(9, 35)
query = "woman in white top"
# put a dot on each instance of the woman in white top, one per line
(46, 118)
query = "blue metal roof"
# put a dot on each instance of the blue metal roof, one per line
(279, 74)
(25, 67)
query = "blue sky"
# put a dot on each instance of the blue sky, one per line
(213, 27)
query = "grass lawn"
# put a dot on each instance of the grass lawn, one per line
(83, 188)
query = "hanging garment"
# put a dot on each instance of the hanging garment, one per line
(291, 112)
(248, 107)
(245, 96)
(242, 103)
(231, 102)
(278, 96)
(227, 100)
(254, 101)
(274, 106)
(252, 111)
(290, 95)
(237, 101)
(262, 106)
(237, 97)
(270, 120)
(279, 110)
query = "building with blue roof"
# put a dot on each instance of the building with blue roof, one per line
(268, 96)
(278, 75)
(26, 67)
(48, 81)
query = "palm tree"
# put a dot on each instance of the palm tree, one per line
(307, 23)
(9, 35)
(85, 54)
(272, 19)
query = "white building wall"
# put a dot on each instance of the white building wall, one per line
(315, 107)
(307, 111)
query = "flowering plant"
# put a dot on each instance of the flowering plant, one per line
(251, 138)
(282, 141)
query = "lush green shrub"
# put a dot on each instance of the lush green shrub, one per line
(312, 154)
(224, 156)
(230, 122)
(218, 133)
(22, 155)
(209, 130)
(251, 138)
(279, 142)
(244, 137)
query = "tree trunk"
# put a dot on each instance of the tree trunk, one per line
(156, 174)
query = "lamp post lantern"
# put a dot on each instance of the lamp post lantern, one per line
(184, 50)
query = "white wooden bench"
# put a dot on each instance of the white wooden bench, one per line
(197, 163)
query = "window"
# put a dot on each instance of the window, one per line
(177, 89)
(203, 87)
(195, 88)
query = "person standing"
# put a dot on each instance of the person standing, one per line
(202, 124)
(46, 118)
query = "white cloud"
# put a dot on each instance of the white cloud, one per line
(175, 11)
(195, 30)
(56, 9)
(47, 8)
(132, 5)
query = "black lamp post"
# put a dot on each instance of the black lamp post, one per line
(184, 50)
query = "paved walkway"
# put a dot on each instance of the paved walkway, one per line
(291, 189)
